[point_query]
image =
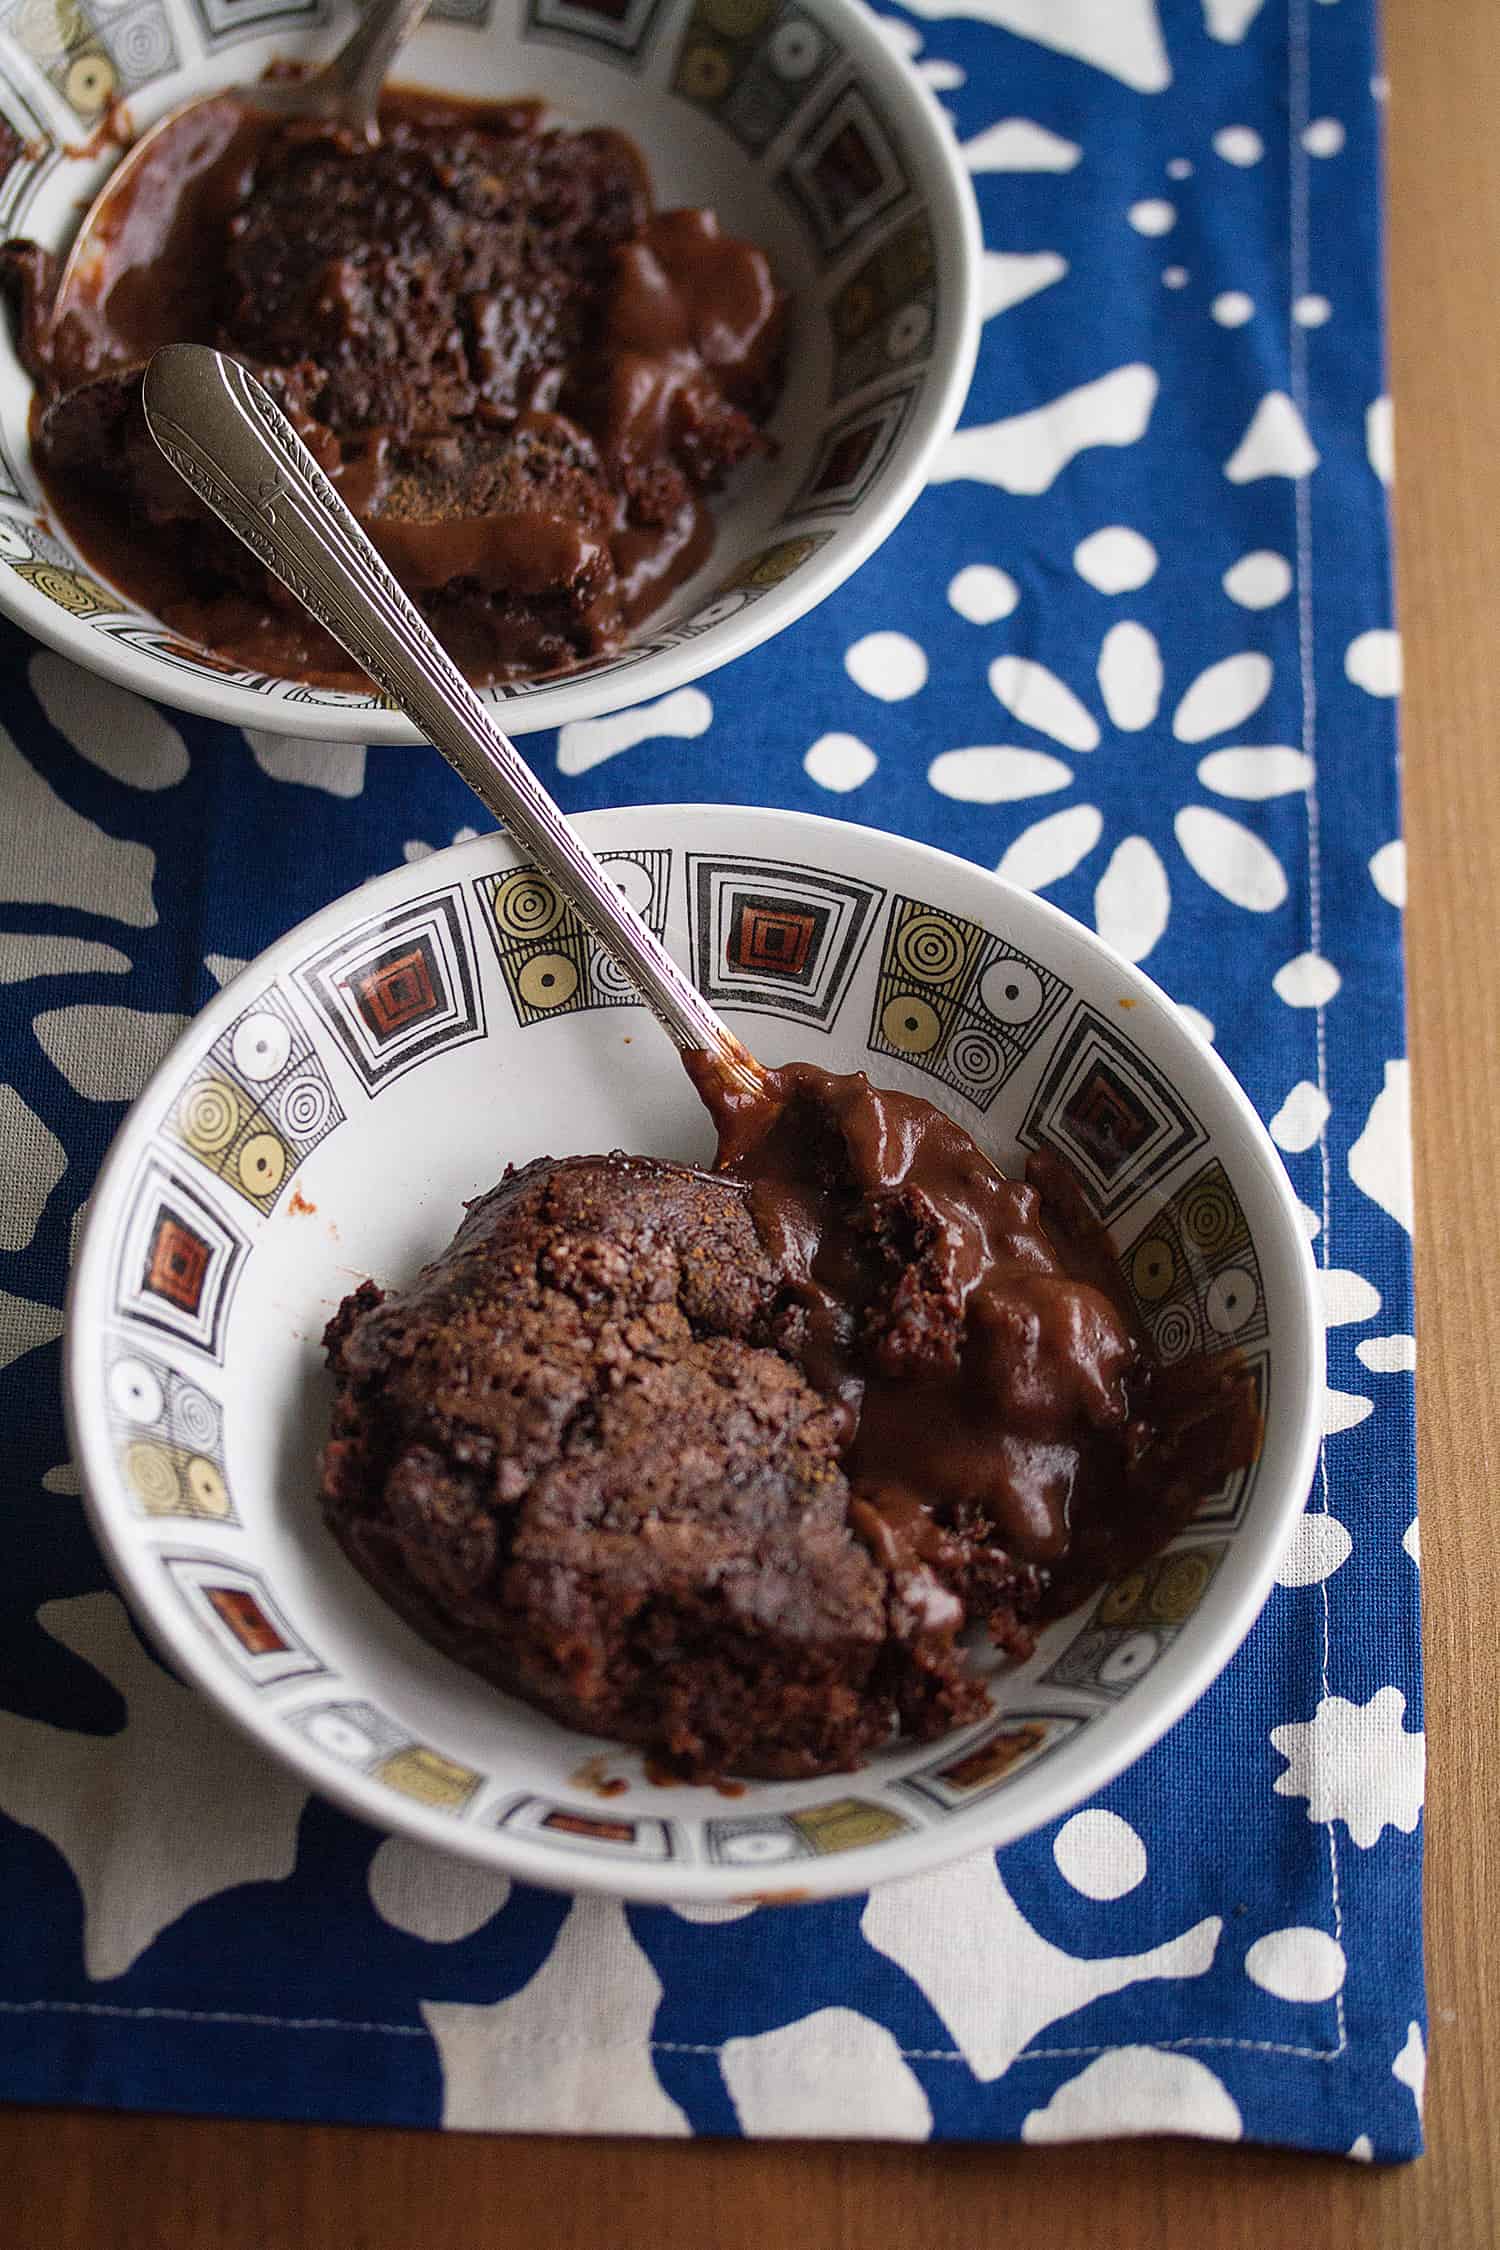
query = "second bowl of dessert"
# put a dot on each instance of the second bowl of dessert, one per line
(324, 1123)
(496, 371)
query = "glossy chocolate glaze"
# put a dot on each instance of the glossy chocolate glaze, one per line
(977, 1333)
(523, 379)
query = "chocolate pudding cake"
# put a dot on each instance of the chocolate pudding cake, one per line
(524, 380)
(725, 1464)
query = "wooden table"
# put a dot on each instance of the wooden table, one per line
(98, 2182)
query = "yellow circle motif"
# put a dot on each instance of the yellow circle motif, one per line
(78, 595)
(152, 1475)
(210, 1116)
(548, 981)
(1180, 1587)
(1153, 1268)
(930, 948)
(776, 563)
(90, 82)
(911, 1025)
(206, 1488)
(262, 1164)
(527, 906)
(704, 74)
(1123, 1599)
(855, 310)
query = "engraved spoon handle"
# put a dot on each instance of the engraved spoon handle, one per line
(228, 438)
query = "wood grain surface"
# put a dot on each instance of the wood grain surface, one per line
(80, 2181)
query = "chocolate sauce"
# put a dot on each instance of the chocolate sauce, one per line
(978, 1336)
(523, 379)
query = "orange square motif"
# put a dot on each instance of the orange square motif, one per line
(397, 993)
(771, 938)
(246, 1619)
(176, 1263)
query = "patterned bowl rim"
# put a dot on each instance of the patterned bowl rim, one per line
(956, 231)
(1068, 1781)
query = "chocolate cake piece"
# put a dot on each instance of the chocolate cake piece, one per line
(571, 1456)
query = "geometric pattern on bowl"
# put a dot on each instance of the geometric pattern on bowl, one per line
(846, 171)
(853, 455)
(1194, 1275)
(1000, 1751)
(576, 1828)
(885, 316)
(359, 1735)
(241, 1616)
(1111, 1113)
(752, 64)
(842, 1824)
(961, 1004)
(1224, 1508)
(615, 29)
(223, 22)
(93, 53)
(771, 935)
(1135, 1621)
(551, 966)
(258, 1103)
(180, 1258)
(168, 1437)
(399, 987)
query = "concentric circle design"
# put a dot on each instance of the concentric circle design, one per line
(262, 1164)
(134, 1391)
(143, 46)
(910, 1024)
(908, 331)
(68, 588)
(1012, 991)
(304, 1108)
(151, 1473)
(261, 1046)
(976, 1056)
(210, 1115)
(331, 1731)
(195, 1417)
(759, 1847)
(1174, 1333)
(795, 51)
(1134, 1655)
(549, 980)
(609, 977)
(1123, 1598)
(1181, 1586)
(930, 948)
(206, 1487)
(1153, 1269)
(1209, 1216)
(527, 906)
(1231, 1300)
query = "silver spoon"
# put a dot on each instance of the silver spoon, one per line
(344, 91)
(221, 431)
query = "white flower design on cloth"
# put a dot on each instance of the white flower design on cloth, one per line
(1133, 894)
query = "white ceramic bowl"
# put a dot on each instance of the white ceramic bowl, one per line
(737, 104)
(325, 1118)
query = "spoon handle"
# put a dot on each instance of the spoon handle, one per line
(350, 84)
(228, 438)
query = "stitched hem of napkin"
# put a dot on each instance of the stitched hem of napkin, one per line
(114, 2009)
(1299, 269)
